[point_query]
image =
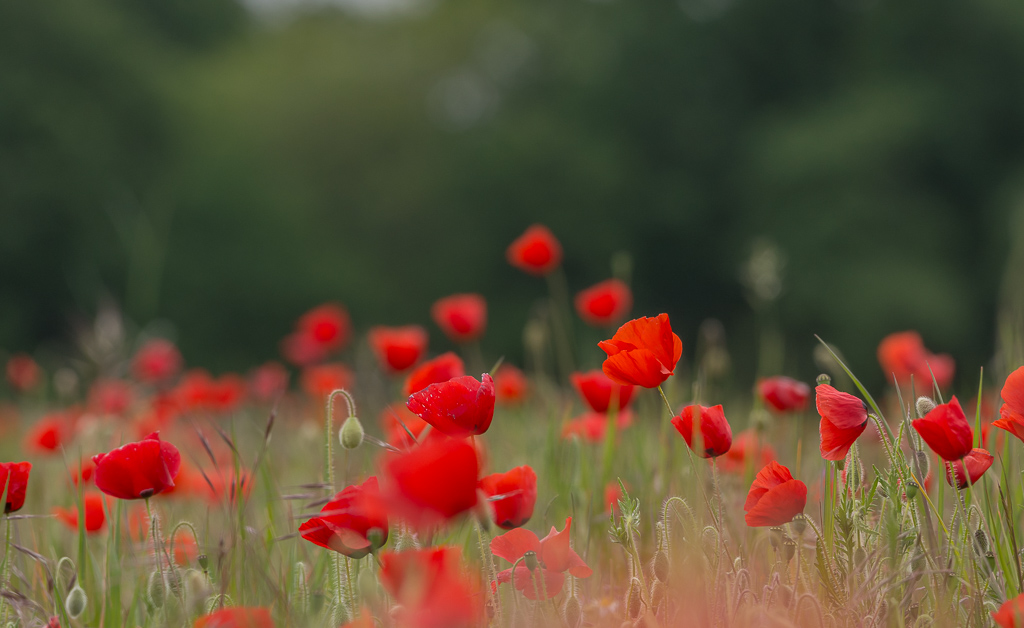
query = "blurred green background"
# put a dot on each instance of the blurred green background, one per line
(223, 168)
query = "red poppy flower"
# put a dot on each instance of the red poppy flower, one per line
(14, 480)
(110, 396)
(903, 355)
(1011, 613)
(398, 348)
(554, 557)
(322, 379)
(510, 385)
(715, 432)
(318, 333)
(748, 448)
(597, 390)
(22, 372)
(433, 482)
(156, 361)
(137, 470)
(185, 550)
(350, 523)
(946, 430)
(84, 472)
(49, 434)
(226, 393)
(441, 369)
(459, 407)
(1011, 414)
(462, 317)
(643, 352)
(592, 426)
(783, 394)
(94, 514)
(774, 497)
(536, 252)
(977, 463)
(604, 304)
(432, 589)
(513, 495)
(236, 617)
(268, 382)
(843, 419)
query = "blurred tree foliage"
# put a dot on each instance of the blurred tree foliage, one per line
(198, 164)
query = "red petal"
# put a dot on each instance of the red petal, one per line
(843, 410)
(1013, 391)
(835, 441)
(514, 544)
(779, 505)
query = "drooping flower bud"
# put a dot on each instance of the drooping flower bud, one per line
(633, 599)
(661, 566)
(980, 542)
(572, 612)
(156, 590)
(76, 602)
(351, 434)
(924, 405)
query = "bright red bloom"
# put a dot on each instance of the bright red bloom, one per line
(1011, 414)
(236, 617)
(110, 396)
(1011, 613)
(459, 407)
(318, 333)
(783, 394)
(903, 354)
(715, 432)
(597, 390)
(398, 348)
(433, 482)
(48, 434)
(441, 369)
(516, 493)
(604, 304)
(536, 252)
(137, 470)
(510, 385)
(977, 462)
(22, 372)
(747, 448)
(643, 352)
(432, 589)
(14, 480)
(345, 523)
(156, 361)
(268, 382)
(94, 515)
(322, 379)
(592, 426)
(774, 497)
(462, 317)
(554, 557)
(843, 419)
(946, 430)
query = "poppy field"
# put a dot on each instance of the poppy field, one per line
(616, 478)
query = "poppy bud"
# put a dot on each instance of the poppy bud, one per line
(351, 434)
(300, 589)
(924, 406)
(174, 581)
(980, 542)
(661, 565)
(195, 584)
(633, 601)
(367, 584)
(530, 560)
(924, 463)
(156, 590)
(657, 595)
(572, 612)
(76, 602)
(859, 556)
(824, 380)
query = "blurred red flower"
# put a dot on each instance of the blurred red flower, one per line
(398, 348)
(432, 483)
(536, 252)
(946, 430)
(715, 431)
(236, 617)
(459, 407)
(1011, 613)
(322, 379)
(783, 394)
(592, 426)
(14, 480)
(94, 514)
(977, 463)
(392, 417)
(643, 352)
(268, 382)
(441, 369)
(774, 497)
(612, 495)
(226, 393)
(903, 355)
(22, 372)
(747, 448)
(432, 589)
(554, 557)
(351, 523)
(137, 470)
(510, 385)
(512, 494)
(604, 304)
(49, 433)
(597, 390)
(158, 360)
(843, 419)
(110, 396)
(462, 317)
(318, 333)
(1011, 414)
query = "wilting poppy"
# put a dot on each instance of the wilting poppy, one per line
(156, 361)
(110, 396)
(1011, 414)
(595, 388)
(946, 430)
(462, 317)
(748, 448)
(398, 348)
(513, 495)
(137, 470)
(22, 372)
(433, 482)
(643, 352)
(592, 426)
(459, 407)
(351, 523)
(536, 252)
(14, 479)
(268, 382)
(322, 379)
(94, 514)
(236, 617)
(715, 432)
(903, 355)
(843, 419)
(783, 394)
(554, 556)
(977, 463)
(774, 497)
(1011, 613)
(432, 588)
(49, 433)
(510, 385)
(604, 304)
(440, 369)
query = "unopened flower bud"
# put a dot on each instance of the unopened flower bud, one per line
(660, 566)
(76, 602)
(980, 542)
(824, 380)
(156, 590)
(351, 434)
(924, 405)
(572, 612)
(633, 601)
(924, 464)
